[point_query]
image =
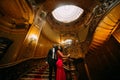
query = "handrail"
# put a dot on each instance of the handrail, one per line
(15, 63)
(14, 70)
(98, 13)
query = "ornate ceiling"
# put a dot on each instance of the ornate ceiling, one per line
(15, 15)
(99, 17)
(73, 26)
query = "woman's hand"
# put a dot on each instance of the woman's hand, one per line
(68, 55)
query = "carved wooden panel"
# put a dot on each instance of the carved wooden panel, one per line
(4, 45)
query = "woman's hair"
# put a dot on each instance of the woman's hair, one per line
(60, 48)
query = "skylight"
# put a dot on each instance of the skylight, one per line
(67, 13)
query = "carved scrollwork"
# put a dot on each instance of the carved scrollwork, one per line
(98, 12)
(74, 50)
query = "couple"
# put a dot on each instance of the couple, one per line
(54, 59)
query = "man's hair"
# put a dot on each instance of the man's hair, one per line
(54, 45)
(56, 48)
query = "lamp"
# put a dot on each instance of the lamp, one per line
(33, 37)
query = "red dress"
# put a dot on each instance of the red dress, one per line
(60, 74)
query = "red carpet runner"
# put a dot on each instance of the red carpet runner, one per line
(39, 73)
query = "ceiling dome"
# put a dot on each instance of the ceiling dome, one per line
(67, 13)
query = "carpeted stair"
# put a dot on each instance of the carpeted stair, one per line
(39, 73)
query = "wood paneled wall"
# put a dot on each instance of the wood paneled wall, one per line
(104, 63)
(44, 44)
(11, 53)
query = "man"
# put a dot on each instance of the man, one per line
(51, 60)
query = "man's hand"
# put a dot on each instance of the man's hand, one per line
(46, 62)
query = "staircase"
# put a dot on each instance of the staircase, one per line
(40, 72)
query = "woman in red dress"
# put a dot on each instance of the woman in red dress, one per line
(60, 74)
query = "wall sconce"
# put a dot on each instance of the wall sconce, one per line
(32, 38)
(30, 46)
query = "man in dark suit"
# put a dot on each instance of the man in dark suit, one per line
(51, 60)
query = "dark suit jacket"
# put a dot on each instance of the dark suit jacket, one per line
(49, 57)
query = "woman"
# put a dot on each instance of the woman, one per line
(60, 74)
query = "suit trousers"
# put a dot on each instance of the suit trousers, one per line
(52, 67)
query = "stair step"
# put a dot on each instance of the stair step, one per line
(42, 73)
(34, 79)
